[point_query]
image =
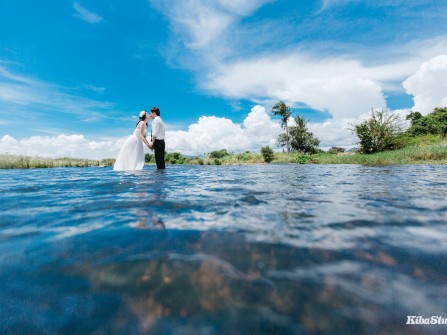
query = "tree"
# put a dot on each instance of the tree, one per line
(434, 123)
(301, 139)
(267, 153)
(218, 153)
(335, 150)
(284, 111)
(414, 116)
(379, 132)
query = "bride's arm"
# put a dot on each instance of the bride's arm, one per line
(143, 138)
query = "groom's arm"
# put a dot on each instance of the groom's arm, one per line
(154, 131)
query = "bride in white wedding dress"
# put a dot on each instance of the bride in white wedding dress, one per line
(131, 156)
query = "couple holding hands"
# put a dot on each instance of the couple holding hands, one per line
(131, 155)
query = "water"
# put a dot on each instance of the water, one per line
(262, 249)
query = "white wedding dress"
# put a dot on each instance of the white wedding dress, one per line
(131, 156)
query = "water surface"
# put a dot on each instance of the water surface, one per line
(259, 249)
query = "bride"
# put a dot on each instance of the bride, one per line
(131, 156)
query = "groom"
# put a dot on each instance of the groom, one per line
(158, 138)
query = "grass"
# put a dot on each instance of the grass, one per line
(8, 161)
(434, 154)
(429, 149)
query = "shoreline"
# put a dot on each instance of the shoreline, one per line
(432, 154)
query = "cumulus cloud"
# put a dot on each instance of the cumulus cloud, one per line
(208, 134)
(428, 85)
(213, 133)
(86, 15)
(339, 86)
(75, 146)
(229, 58)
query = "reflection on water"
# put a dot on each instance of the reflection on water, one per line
(269, 249)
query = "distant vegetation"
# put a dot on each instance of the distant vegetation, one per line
(268, 154)
(383, 130)
(381, 141)
(296, 138)
(27, 162)
(378, 133)
(434, 123)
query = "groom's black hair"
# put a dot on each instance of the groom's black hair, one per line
(155, 110)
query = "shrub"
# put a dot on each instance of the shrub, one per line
(335, 150)
(219, 153)
(108, 161)
(301, 139)
(379, 132)
(434, 123)
(267, 153)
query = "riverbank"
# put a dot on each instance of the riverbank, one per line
(8, 161)
(429, 150)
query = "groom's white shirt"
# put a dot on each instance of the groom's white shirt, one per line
(158, 128)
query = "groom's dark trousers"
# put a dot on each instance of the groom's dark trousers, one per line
(159, 151)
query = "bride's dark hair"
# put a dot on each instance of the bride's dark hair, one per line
(142, 118)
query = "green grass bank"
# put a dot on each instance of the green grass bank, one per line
(429, 149)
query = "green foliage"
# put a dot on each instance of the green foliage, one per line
(217, 161)
(434, 123)
(218, 154)
(148, 158)
(301, 139)
(302, 159)
(378, 133)
(284, 111)
(26, 162)
(200, 161)
(267, 154)
(424, 154)
(335, 150)
(244, 156)
(108, 162)
(414, 116)
(175, 158)
(422, 140)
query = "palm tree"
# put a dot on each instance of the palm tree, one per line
(285, 112)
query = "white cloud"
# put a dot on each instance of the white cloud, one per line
(94, 88)
(213, 133)
(206, 28)
(75, 146)
(86, 15)
(18, 92)
(429, 85)
(345, 80)
(327, 4)
(243, 7)
(339, 86)
(208, 134)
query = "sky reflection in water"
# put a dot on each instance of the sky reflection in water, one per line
(283, 249)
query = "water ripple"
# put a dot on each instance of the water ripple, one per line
(284, 249)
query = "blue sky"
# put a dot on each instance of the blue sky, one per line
(84, 69)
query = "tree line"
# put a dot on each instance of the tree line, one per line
(384, 131)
